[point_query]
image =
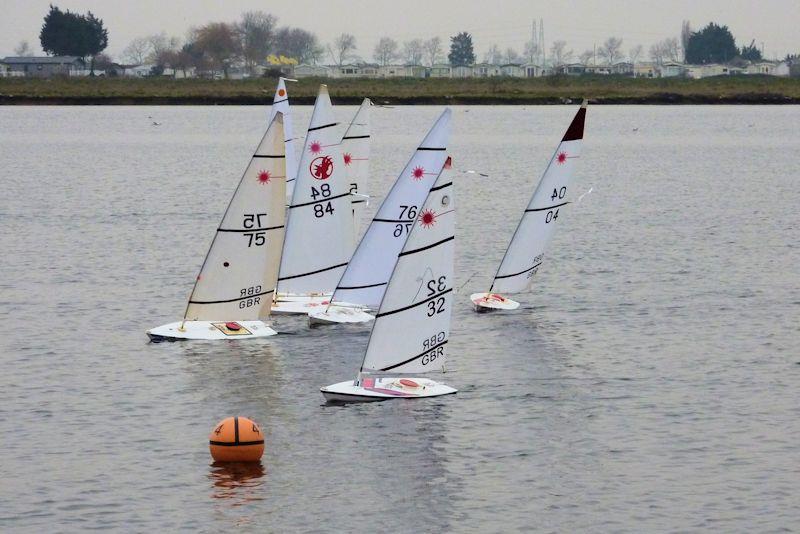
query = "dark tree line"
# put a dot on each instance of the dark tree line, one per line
(715, 44)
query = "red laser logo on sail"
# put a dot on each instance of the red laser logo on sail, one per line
(321, 168)
(315, 147)
(347, 158)
(427, 218)
(263, 177)
(417, 173)
(562, 158)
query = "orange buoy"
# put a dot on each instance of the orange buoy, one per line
(236, 439)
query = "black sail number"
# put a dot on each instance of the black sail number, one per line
(436, 306)
(551, 216)
(255, 239)
(437, 285)
(252, 220)
(559, 193)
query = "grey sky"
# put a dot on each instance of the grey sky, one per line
(582, 23)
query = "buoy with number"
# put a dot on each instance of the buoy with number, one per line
(236, 439)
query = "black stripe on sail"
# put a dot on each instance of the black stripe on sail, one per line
(318, 201)
(249, 229)
(420, 303)
(407, 252)
(361, 287)
(448, 184)
(431, 148)
(517, 274)
(356, 137)
(270, 156)
(547, 208)
(414, 357)
(323, 126)
(410, 221)
(312, 272)
(358, 201)
(279, 101)
(231, 300)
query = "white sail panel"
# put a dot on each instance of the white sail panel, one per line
(355, 152)
(526, 251)
(319, 227)
(367, 274)
(239, 273)
(280, 103)
(412, 325)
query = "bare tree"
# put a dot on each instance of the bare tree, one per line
(413, 51)
(493, 55)
(137, 51)
(159, 44)
(256, 32)
(611, 50)
(657, 53)
(299, 44)
(342, 48)
(217, 41)
(585, 56)
(635, 53)
(686, 34)
(672, 49)
(433, 50)
(385, 51)
(532, 51)
(559, 53)
(23, 49)
(512, 56)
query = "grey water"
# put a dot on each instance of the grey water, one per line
(649, 382)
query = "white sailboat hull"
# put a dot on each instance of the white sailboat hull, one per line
(486, 302)
(337, 314)
(300, 304)
(210, 330)
(385, 388)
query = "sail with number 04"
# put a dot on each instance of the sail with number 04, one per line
(412, 326)
(526, 251)
(233, 292)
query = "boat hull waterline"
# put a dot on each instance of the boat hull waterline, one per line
(300, 304)
(210, 330)
(385, 388)
(486, 302)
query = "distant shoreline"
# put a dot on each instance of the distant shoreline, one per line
(612, 90)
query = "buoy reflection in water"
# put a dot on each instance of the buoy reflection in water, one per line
(239, 482)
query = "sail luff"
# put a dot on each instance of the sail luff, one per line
(525, 251)
(235, 281)
(355, 153)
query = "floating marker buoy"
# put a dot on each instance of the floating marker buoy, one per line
(236, 439)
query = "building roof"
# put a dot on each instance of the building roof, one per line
(46, 60)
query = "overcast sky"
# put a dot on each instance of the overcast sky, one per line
(507, 23)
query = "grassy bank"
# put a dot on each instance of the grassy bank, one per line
(551, 90)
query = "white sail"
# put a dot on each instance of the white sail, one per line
(355, 152)
(319, 227)
(280, 103)
(412, 325)
(526, 251)
(239, 273)
(367, 274)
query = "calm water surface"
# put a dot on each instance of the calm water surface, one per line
(648, 383)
